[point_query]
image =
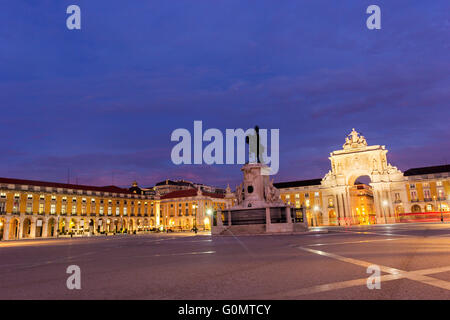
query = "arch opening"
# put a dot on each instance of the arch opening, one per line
(361, 200)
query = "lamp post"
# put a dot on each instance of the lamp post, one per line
(314, 219)
(440, 207)
(385, 204)
(194, 207)
(209, 213)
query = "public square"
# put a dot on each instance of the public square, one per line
(328, 263)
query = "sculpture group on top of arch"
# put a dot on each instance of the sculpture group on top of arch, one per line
(356, 159)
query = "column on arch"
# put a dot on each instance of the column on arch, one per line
(340, 209)
(377, 203)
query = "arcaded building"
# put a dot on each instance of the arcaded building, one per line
(38, 209)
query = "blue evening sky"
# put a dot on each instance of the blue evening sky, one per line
(104, 100)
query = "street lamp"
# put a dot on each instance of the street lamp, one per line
(385, 204)
(194, 207)
(207, 220)
(440, 207)
(314, 219)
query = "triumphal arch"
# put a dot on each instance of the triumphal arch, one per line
(357, 159)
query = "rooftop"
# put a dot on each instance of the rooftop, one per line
(111, 189)
(190, 193)
(298, 183)
(427, 170)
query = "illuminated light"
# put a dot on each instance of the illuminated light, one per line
(316, 208)
(209, 211)
(206, 221)
(385, 203)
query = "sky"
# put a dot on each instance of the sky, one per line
(98, 105)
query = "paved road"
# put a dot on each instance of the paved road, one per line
(414, 262)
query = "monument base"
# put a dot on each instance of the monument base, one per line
(259, 207)
(269, 219)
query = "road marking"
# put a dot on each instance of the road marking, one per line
(349, 242)
(394, 274)
(176, 254)
(323, 235)
(386, 233)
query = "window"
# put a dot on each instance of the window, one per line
(297, 204)
(427, 194)
(439, 183)
(74, 209)
(307, 203)
(2, 206)
(412, 186)
(63, 209)
(441, 194)
(297, 195)
(3, 195)
(413, 195)
(316, 194)
(101, 210)
(397, 196)
(29, 207)
(16, 203)
(52, 208)
(109, 211)
(330, 202)
(124, 211)
(117, 211)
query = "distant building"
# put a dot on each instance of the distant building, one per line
(168, 186)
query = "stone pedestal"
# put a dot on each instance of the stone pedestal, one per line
(259, 207)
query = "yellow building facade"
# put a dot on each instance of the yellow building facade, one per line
(36, 209)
